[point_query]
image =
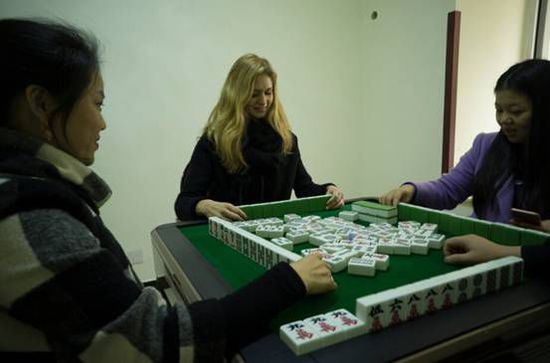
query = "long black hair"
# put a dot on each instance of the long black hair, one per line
(58, 57)
(530, 161)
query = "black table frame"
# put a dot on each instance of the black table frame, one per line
(515, 311)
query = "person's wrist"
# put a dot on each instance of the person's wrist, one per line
(505, 251)
(298, 272)
(410, 190)
(199, 208)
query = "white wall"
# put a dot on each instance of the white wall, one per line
(494, 35)
(403, 73)
(365, 97)
(164, 65)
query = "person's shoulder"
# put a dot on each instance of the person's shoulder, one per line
(294, 140)
(205, 144)
(483, 141)
(485, 137)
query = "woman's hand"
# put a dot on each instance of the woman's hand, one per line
(315, 274)
(404, 193)
(472, 249)
(337, 197)
(210, 208)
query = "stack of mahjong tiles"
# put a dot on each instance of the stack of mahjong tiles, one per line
(363, 250)
(260, 250)
(408, 302)
(342, 243)
(374, 212)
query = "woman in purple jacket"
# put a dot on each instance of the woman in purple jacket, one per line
(503, 170)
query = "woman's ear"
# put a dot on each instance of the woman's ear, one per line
(41, 104)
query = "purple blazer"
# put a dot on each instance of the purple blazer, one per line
(456, 186)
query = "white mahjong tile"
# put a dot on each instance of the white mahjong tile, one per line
(275, 221)
(414, 224)
(262, 231)
(309, 251)
(239, 243)
(479, 284)
(329, 238)
(465, 287)
(332, 248)
(371, 311)
(365, 249)
(346, 243)
(347, 322)
(290, 217)
(277, 231)
(289, 256)
(451, 294)
(414, 306)
(433, 296)
(336, 263)
(260, 255)
(420, 246)
(297, 237)
(283, 243)
(385, 246)
(401, 247)
(246, 247)
(395, 310)
(430, 227)
(329, 331)
(349, 215)
(382, 261)
(436, 241)
(211, 227)
(348, 255)
(269, 262)
(362, 266)
(253, 251)
(300, 337)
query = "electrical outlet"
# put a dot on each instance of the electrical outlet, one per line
(135, 256)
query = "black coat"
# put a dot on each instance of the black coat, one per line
(271, 176)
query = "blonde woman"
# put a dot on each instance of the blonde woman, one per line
(68, 292)
(247, 153)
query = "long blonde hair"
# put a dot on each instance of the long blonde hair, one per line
(227, 122)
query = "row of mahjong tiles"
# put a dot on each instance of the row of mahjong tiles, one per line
(373, 310)
(343, 243)
(378, 311)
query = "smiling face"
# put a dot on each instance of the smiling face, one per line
(513, 113)
(84, 124)
(262, 97)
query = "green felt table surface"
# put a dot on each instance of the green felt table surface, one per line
(238, 270)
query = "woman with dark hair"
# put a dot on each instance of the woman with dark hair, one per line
(503, 170)
(67, 290)
(247, 153)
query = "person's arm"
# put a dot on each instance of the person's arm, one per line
(472, 249)
(192, 201)
(449, 190)
(195, 181)
(80, 297)
(456, 186)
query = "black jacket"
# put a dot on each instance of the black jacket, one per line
(271, 176)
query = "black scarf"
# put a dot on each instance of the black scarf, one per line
(262, 147)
